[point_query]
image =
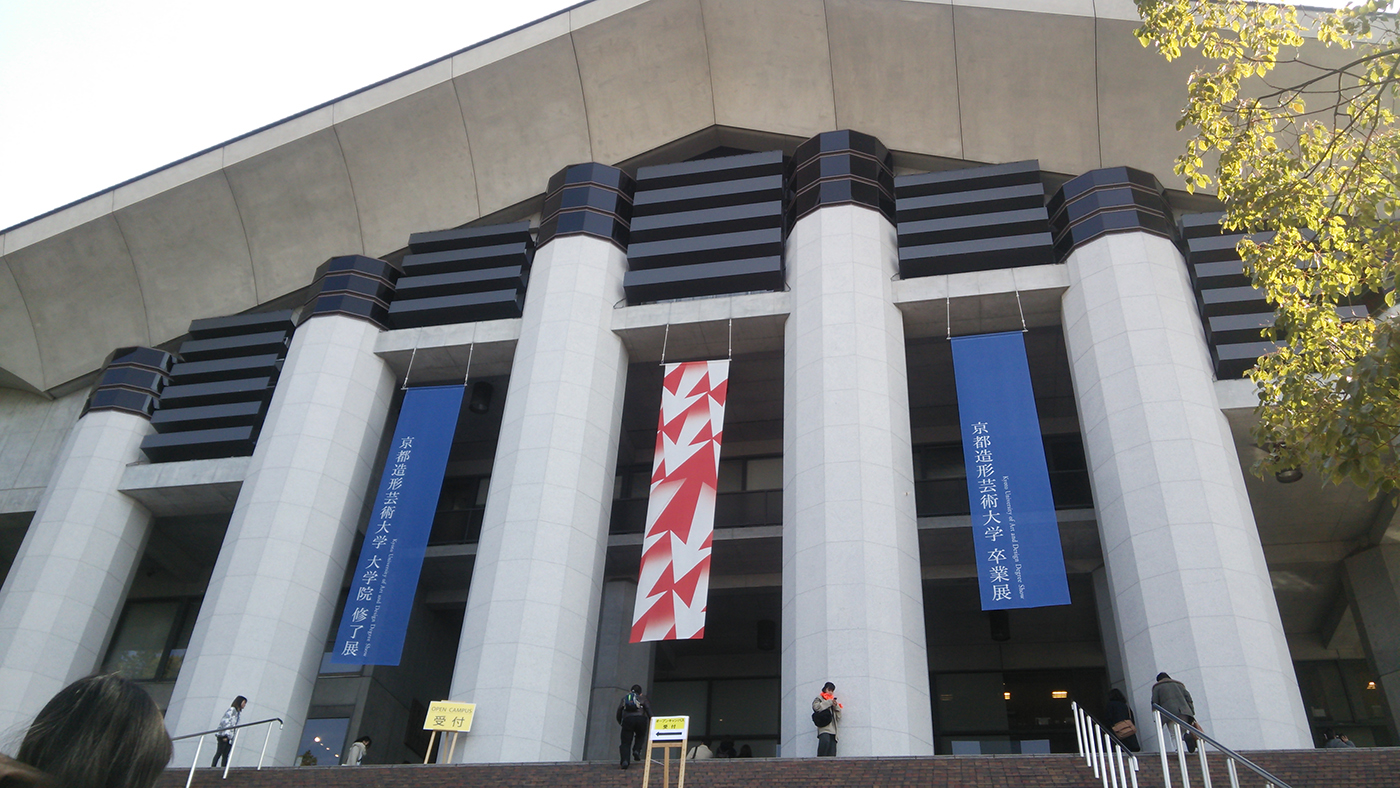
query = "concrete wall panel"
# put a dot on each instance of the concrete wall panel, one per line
(525, 118)
(895, 74)
(32, 430)
(411, 166)
(19, 353)
(663, 40)
(1140, 100)
(784, 89)
(83, 296)
(190, 254)
(298, 210)
(1027, 87)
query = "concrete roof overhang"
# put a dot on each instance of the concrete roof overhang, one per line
(480, 132)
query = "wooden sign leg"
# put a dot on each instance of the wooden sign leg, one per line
(680, 782)
(646, 770)
(432, 737)
(452, 753)
(666, 766)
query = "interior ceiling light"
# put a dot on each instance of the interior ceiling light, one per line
(1289, 475)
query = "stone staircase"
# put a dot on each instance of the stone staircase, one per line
(1361, 768)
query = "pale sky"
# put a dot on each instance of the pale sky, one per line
(95, 93)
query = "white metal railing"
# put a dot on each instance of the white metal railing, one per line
(1110, 760)
(1176, 727)
(232, 745)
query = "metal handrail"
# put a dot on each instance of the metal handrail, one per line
(229, 760)
(1177, 724)
(1099, 747)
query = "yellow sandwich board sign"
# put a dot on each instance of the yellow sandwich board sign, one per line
(446, 715)
(668, 729)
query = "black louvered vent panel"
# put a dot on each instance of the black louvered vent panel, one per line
(1233, 312)
(707, 227)
(219, 391)
(973, 219)
(463, 275)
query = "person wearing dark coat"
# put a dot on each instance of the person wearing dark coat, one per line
(634, 715)
(1173, 696)
(1118, 712)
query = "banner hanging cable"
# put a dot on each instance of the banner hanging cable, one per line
(409, 371)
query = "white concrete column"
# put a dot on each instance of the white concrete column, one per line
(528, 636)
(267, 613)
(74, 568)
(1191, 593)
(618, 665)
(1373, 579)
(852, 593)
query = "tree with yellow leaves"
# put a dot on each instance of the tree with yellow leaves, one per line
(1309, 165)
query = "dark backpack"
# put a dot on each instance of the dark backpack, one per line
(823, 718)
(630, 704)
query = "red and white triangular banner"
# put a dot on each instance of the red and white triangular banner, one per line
(675, 574)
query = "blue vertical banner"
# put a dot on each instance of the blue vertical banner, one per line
(1014, 531)
(386, 576)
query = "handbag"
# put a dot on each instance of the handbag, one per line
(1124, 728)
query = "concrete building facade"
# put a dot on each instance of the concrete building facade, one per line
(203, 367)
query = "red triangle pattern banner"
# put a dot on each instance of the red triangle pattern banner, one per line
(675, 574)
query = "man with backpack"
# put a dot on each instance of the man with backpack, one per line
(634, 714)
(826, 715)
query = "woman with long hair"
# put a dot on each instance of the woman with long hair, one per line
(98, 732)
(1119, 718)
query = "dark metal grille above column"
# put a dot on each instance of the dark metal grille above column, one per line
(131, 381)
(354, 286)
(219, 390)
(1233, 311)
(841, 168)
(707, 227)
(974, 219)
(463, 275)
(1111, 200)
(588, 199)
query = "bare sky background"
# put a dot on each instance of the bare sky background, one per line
(95, 92)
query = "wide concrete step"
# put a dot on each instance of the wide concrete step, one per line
(1368, 768)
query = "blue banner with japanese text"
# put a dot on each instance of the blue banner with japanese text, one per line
(1014, 530)
(386, 576)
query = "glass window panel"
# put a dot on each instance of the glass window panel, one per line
(943, 462)
(322, 741)
(335, 667)
(731, 476)
(140, 643)
(744, 707)
(765, 474)
(641, 484)
(1065, 453)
(182, 642)
(677, 698)
(1357, 676)
(482, 486)
(1334, 692)
(971, 702)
